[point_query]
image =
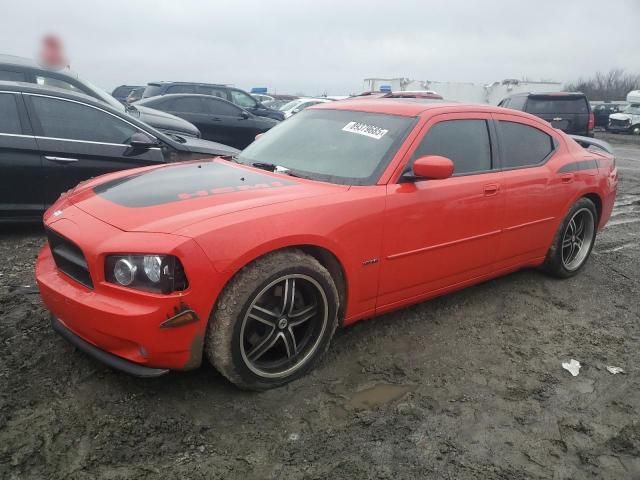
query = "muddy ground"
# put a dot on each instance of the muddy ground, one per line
(467, 386)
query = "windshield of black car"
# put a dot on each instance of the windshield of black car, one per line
(337, 146)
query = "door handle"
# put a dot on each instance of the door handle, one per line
(567, 178)
(61, 159)
(216, 119)
(491, 189)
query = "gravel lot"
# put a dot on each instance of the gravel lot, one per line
(467, 386)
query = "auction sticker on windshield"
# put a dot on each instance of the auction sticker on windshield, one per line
(363, 129)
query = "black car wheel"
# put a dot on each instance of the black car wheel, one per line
(273, 321)
(574, 240)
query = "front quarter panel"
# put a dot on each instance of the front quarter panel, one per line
(347, 224)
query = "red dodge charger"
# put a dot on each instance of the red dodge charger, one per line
(343, 212)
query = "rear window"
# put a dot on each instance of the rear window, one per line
(152, 91)
(557, 105)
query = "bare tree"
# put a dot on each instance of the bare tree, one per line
(613, 85)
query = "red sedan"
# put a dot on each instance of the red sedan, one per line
(343, 212)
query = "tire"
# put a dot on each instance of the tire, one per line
(273, 321)
(636, 129)
(577, 231)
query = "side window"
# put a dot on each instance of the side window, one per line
(213, 91)
(465, 142)
(517, 103)
(221, 107)
(76, 121)
(181, 89)
(523, 145)
(55, 82)
(242, 99)
(12, 76)
(9, 120)
(187, 105)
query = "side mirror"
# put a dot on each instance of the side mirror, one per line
(296, 110)
(258, 136)
(244, 115)
(142, 141)
(433, 167)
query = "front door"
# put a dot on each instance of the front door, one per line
(78, 141)
(440, 233)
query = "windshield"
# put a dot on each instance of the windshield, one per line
(290, 106)
(633, 109)
(336, 146)
(104, 96)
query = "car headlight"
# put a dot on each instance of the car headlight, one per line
(153, 273)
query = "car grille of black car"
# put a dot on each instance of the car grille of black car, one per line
(618, 123)
(69, 258)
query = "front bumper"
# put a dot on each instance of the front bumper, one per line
(619, 128)
(107, 358)
(122, 322)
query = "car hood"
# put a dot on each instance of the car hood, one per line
(171, 197)
(163, 121)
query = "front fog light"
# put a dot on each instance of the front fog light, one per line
(152, 264)
(124, 272)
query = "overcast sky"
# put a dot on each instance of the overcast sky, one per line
(330, 45)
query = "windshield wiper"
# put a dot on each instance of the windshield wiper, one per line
(271, 167)
(231, 158)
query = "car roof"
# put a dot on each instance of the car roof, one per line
(167, 82)
(548, 94)
(32, 64)
(413, 107)
(149, 100)
(47, 89)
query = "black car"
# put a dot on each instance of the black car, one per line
(122, 92)
(52, 139)
(602, 111)
(217, 119)
(566, 111)
(231, 94)
(18, 69)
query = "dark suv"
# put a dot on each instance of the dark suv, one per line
(231, 94)
(566, 111)
(18, 69)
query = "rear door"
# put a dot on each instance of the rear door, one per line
(21, 192)
(229, 124)
(79, 141)
(569, 113)
(535, 194)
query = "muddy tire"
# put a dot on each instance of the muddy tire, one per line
(574, 241)
(273, 321)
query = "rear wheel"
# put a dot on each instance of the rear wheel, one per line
(635, 129)
(273, 321)
(574, 240)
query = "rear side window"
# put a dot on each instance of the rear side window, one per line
(55, 82)
(557, 105)
(12, 76)
(76, 121)
(517, 103)
(465, 142)
(522, 145)
(122, 91)
(9, 119)
(213, 91)
(181, 89)
(186, 105)
(243, 99)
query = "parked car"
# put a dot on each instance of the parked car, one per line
(628, 120)
(20, 69)
(602, 110)
(122, 92)
(231, 94)
(51, 139)
(345, 211)
(296, 106)
(566, 111)
(217, 119)
(135, 95)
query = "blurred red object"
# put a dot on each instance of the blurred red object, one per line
(52, 53)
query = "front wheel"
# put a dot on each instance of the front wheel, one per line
(273, 321)
(574, 240)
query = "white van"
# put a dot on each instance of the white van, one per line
(628, 120)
